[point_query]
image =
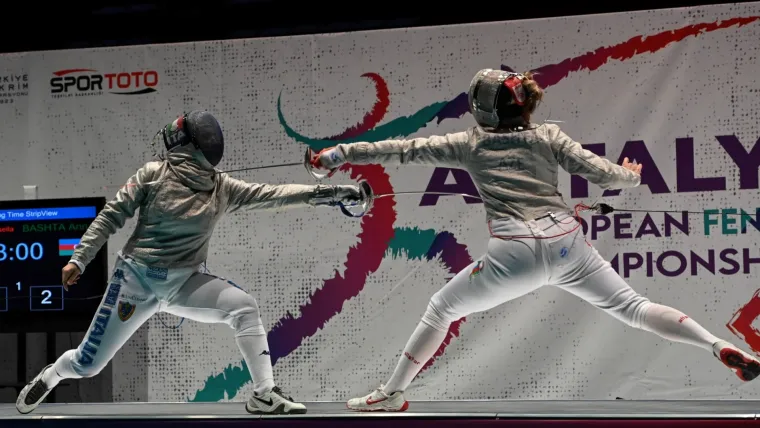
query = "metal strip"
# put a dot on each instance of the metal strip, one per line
(470, 409)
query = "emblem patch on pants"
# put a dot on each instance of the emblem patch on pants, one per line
(476, 270)
(157, 273)
(126, 310)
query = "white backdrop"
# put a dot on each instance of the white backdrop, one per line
(340, 296)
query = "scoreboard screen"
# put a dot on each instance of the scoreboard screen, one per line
(37, 239)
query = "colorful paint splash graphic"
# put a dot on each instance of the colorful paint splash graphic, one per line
(365, 258)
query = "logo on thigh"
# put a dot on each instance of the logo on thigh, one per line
(118, 275)
(476, 270)
(567, 250)
(126, 310)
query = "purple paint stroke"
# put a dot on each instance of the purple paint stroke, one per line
(363, 259)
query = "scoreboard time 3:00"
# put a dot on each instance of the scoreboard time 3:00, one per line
(35, 243)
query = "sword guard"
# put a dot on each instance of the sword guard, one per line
(368, 199)
(313, 171)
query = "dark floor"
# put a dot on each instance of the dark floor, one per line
(616, 409)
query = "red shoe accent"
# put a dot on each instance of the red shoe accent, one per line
(746, 369)
(371, 402)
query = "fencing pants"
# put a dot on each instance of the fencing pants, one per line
(136, 292)
(511, 268)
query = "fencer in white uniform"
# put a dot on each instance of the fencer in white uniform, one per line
(158, 270)
(536, 239)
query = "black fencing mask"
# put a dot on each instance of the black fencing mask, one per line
(199, 128)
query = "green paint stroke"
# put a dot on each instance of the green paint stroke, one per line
(412, 243)
(399, 127)
(223, 385)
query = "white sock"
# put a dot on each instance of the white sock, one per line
(255, 350)
(674, 325)
(419, 349)
(51, 377)
(64, 367)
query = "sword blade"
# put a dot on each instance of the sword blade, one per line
(118, 186)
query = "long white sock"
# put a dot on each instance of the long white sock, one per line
(51, 376)
(419, 349)
(255, 350)
(674, 325)
(64, 367)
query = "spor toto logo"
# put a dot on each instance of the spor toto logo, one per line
(85, 81)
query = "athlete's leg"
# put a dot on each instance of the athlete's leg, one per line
(510, 269)
(126, 305)
(587, 275)
(210, 299)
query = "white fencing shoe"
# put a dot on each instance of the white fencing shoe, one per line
(379, 401)
(274, 402)
(33, 393)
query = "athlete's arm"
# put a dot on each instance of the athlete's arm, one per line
(113, 216)
(440, 150)
(596, 169)
(242, 194)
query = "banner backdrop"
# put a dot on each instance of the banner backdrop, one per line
(678, 90)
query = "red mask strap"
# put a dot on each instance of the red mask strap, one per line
(514, 84)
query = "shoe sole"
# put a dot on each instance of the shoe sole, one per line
(747, 369)
(26, 390)
(23, 393)
(279, 410)
(403, 408)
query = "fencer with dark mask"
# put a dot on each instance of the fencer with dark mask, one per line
(180, 200)
(536, 239)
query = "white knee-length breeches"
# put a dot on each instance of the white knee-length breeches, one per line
(545, 254)
(136, 292)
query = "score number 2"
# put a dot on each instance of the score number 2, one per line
(47, 293)
(46, 298)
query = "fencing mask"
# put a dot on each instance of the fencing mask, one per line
(495, 95)
(199, 128)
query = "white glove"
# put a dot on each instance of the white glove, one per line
(329, 159)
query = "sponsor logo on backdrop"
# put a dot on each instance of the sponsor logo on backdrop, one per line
(13, 86)
(84, 82)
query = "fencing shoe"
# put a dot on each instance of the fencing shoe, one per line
(33, 393)
(274, 402)
(743, 364)
(379, 401)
